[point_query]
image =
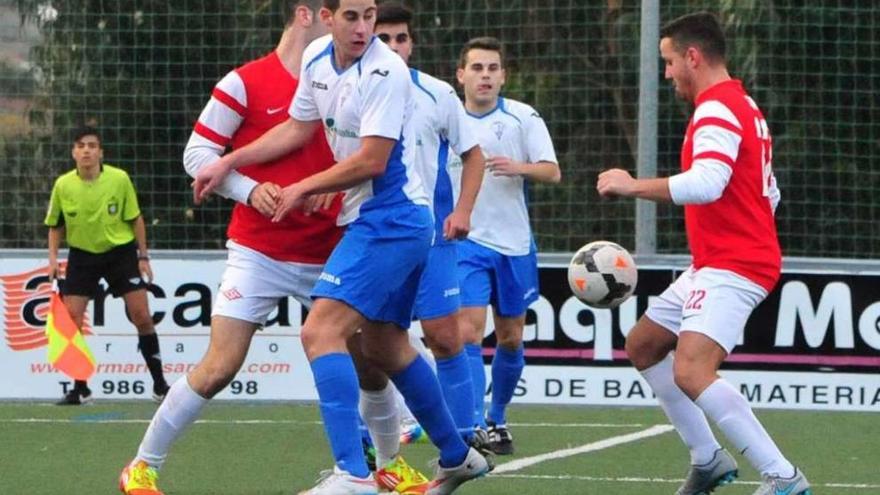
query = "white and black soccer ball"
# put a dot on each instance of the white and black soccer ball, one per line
(602, 274)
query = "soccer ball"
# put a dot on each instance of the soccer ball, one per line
(602, 274)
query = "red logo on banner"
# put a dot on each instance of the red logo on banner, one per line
(25, 306)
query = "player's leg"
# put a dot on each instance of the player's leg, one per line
(507, 367)
(78, 287)
(437, 305)
(515, 287)
(473, 269)
(249, 292)
(125, 280)
(648, 346)
(229, 343)
(713, 321)
(80, 393)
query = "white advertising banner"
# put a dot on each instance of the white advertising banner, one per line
(180, 300)
(575, 353)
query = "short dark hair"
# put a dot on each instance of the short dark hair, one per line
(84, 131)
(394, 13)
(482, 43)
(701, 29)
(331, 5)
(289, 6)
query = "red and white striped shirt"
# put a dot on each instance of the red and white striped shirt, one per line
(737, 231)
(244, 105)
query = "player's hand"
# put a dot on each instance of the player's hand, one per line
(145, 270)
(317, 202)
(615, 182)
(209, 177)
(264, 198)
(501, 166)
(457, 225)
(291, 197)
(53, 270)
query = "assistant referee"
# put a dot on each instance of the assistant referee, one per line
(96, 206)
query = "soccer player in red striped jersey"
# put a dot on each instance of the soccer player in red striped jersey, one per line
(729, 194)
(267, 260)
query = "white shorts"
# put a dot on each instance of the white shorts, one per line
(716, 303)
(253, 283)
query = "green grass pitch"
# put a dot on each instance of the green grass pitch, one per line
(274, 449)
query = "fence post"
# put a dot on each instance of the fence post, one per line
(646, 211)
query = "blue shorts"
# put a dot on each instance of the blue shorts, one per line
(508, 283)
(377, 265)
(438, 289)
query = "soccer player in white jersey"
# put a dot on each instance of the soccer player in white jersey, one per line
(498, 263)
(440, 126)
(267, 261)
(729, 195)
(361, 92)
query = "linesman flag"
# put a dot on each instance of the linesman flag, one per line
(67, 349)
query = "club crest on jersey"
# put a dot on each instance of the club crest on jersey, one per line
(498, 128)
(112, 207)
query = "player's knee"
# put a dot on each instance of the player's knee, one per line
(444, 344)
(210, 380)
(509, 341)
(691, 376)
(642, 352)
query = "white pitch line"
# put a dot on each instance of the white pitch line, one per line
(857, 486)
(98, 419)
(583, 449)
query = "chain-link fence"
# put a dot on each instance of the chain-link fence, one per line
(142, 70)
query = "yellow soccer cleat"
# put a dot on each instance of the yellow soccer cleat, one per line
(138, 478)
(399, 477)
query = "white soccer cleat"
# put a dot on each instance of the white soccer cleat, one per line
(777, 485)
(446, 480)
(339, 482)
(721, 470)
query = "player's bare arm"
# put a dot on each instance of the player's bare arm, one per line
(458, 224)
(367, 162)
(140, 235)
(618, 182)
(502, 166)
(282, 139)
(55, 236)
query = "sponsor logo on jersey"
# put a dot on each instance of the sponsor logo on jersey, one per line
(498, 129)
(331, 126)
(112, 207)
(380, 72)
(319, 85)
(273, 111)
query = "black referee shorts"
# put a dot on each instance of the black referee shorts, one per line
(119, 267)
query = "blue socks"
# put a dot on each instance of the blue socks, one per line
(418, 385)
(454, 375)
(337, 384)
(507, 367)
(478, 378)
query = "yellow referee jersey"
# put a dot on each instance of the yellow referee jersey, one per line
(97, 215)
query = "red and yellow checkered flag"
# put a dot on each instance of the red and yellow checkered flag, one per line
(67, 349)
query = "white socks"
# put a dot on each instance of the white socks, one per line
(731, 413)
(180, 409)
(380, 412)
(688, 419)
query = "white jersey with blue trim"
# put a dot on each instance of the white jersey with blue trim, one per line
(372, 97)
(500, 219)
(440, 124)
